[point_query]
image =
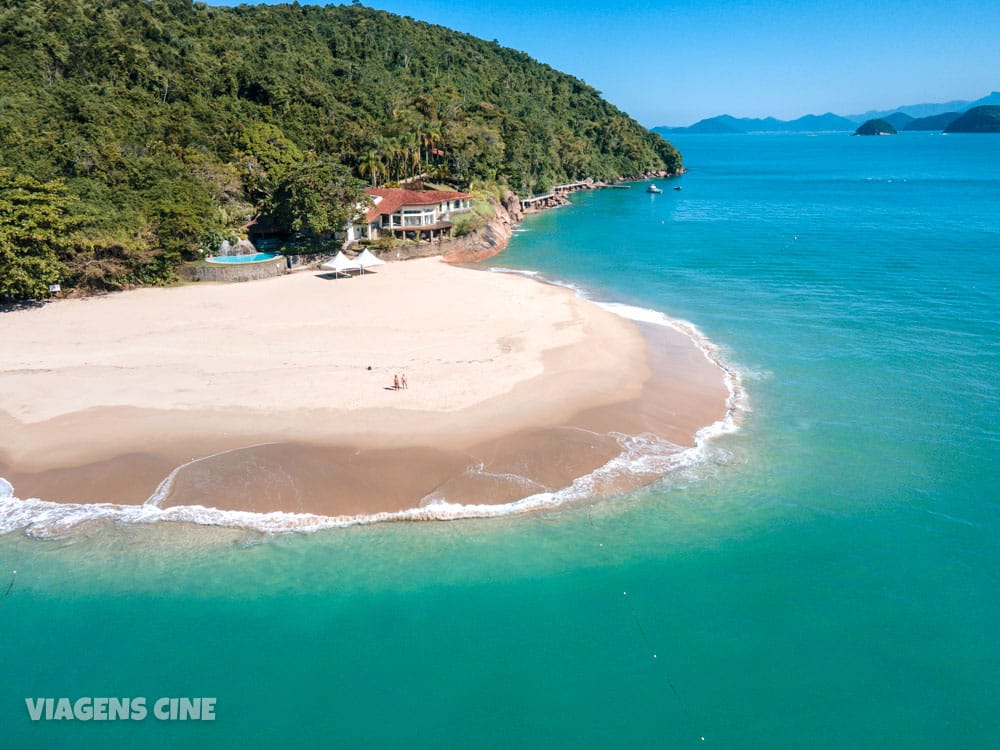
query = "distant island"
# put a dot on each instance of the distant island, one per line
(907, 117)
(977, 120)
(876, 127)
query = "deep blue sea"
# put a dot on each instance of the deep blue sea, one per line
(829, 577)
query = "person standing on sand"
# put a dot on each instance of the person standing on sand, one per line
(395, 382)
(403, 382)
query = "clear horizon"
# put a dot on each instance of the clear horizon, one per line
(674, 63)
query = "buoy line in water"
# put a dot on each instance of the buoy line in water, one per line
(13, 577)
(650, 648)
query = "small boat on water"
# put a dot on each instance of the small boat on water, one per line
(653, 189)
(677, 188)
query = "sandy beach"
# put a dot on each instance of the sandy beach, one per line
(280, 391)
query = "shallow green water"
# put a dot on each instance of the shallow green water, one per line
(827, 578)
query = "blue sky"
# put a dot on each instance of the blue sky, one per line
(677, 61)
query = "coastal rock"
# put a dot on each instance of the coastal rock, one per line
(512, 205)
(487, 242)
(484, 243)
(540, 204)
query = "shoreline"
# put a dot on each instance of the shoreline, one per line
(493, 238)
(562, 414)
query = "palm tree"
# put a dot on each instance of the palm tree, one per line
(430, 139)
(370, 165)
(411, 143)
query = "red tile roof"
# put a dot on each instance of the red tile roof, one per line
(394, 199)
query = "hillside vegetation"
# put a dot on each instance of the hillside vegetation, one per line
(136, 133)
(876, 127)
(984, 119)
(933, 122)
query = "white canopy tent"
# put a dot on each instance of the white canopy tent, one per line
(367, 260)
(341, 264)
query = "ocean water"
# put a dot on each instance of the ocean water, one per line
(827, 576)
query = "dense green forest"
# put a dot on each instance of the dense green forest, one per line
(876, 127)
(136, 133)
(985, 119)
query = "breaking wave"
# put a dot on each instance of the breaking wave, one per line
(736, 402)
(643, 458)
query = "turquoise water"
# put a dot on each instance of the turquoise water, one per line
(827, 579)
(249, 258)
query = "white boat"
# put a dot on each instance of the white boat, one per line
(653, 189)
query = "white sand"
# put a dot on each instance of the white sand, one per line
(484, 353)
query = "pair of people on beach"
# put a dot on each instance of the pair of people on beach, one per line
(399, 381)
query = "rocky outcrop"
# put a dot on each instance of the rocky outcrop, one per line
(549, 201)
(488, 241)
(653, 174)
(242, 247)
(512, 205)
(484, 243)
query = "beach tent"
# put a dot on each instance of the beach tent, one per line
(367, 260)
(341, 264)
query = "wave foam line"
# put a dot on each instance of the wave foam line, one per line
(478, 469)
(736, 402)
(642, 456)
(167, 483)
(540, 277)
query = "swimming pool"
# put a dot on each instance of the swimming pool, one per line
(250, 258)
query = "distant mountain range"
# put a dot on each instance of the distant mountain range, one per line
(908, 117)
(984, 118)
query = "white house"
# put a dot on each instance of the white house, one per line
(413, 214)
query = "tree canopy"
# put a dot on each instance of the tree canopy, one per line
(316, 198)
(34, 226)
(171, 124)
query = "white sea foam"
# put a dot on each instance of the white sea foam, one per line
(478, 469)
(514, 271)
(645, 457)
(642, 457)
(540, 277)
(167, 483)
(736, 403)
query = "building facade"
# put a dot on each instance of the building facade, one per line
(409, 214)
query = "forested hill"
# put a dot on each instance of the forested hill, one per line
(135, 132)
